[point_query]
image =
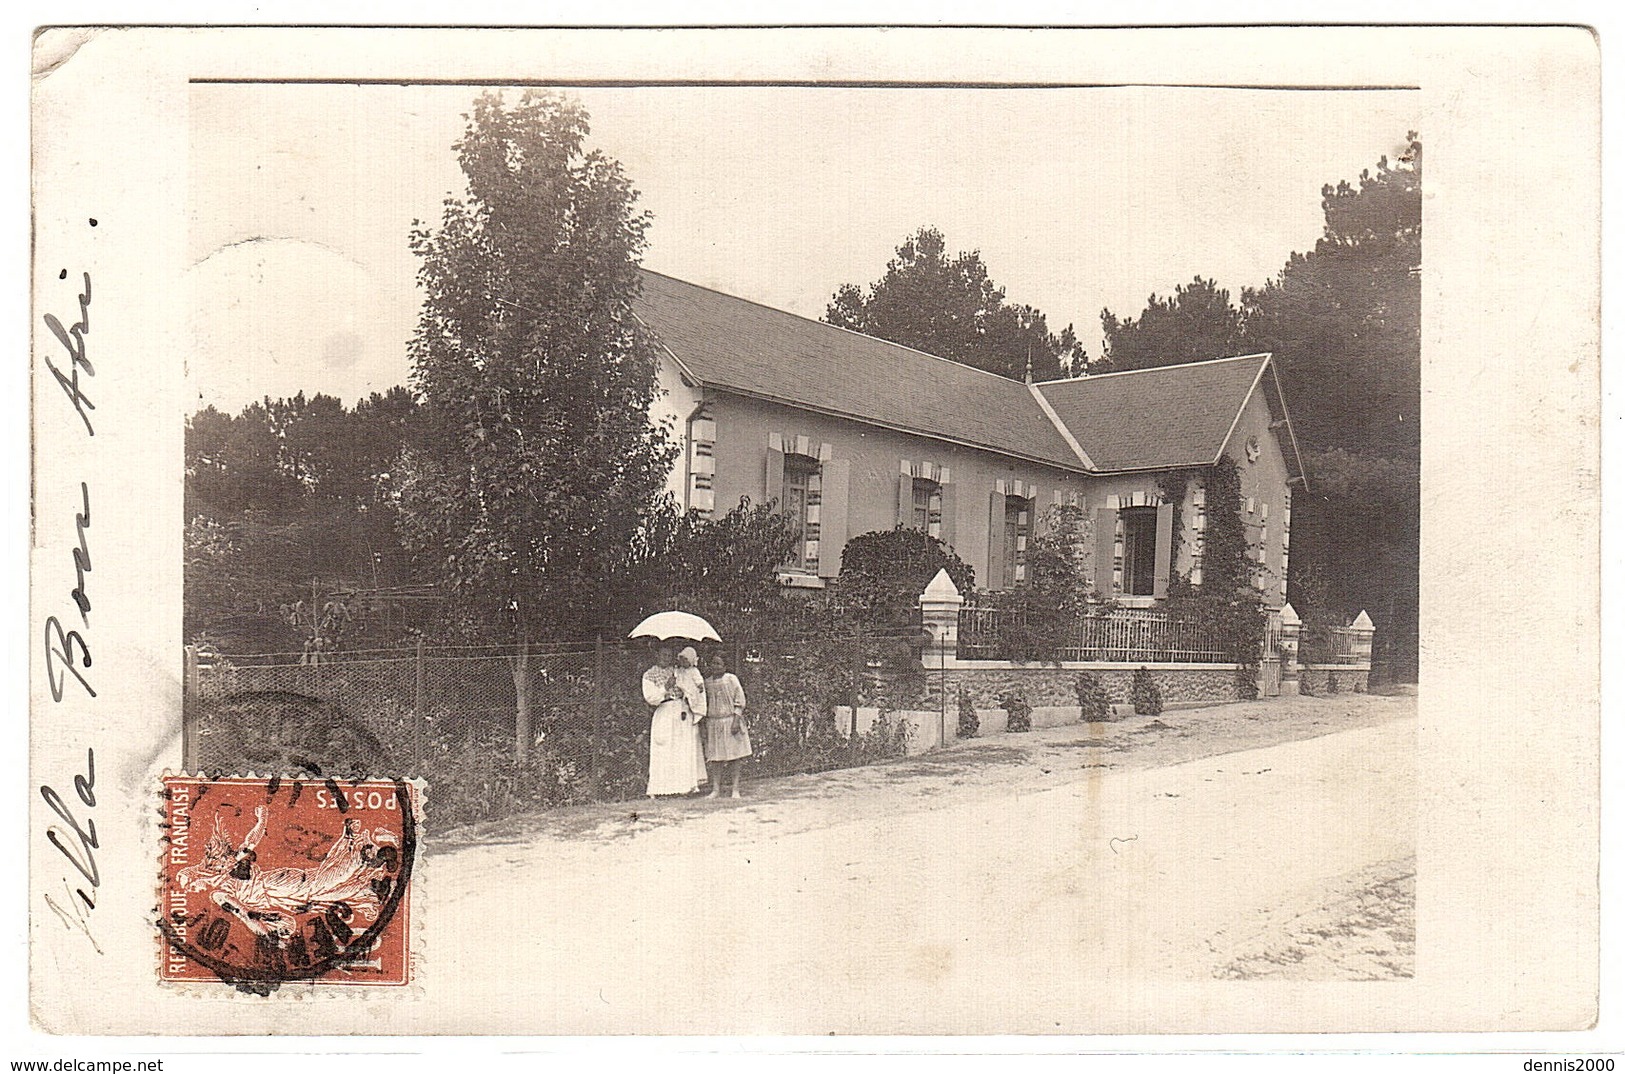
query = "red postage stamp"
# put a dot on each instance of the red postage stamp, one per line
(271, 880)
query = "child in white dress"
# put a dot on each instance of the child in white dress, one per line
(727, 740)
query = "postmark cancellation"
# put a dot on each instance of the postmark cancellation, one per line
(270, 881)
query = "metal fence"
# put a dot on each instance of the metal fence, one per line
(452, 715)
(1342, 647)
(1125, 635)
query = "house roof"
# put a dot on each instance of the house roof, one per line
(1160, 418)
(1170, 416)
(738, 345)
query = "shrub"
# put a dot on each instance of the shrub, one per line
(794, 693)
(1033, 624)
(791, 735)
(1311, 599)
(725, 569)
(1227, 568)
(1247, 683)
(486, 782)
(1094, 704)
(969, 722)
(1020, 714)
(1055, 556)
(883, 573)
(1236, 623)
(1037, 615)
(1145, 693)
(889, 737)
(623, 749)
(895, 679)
(1331, 682)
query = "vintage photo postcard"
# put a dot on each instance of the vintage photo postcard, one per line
(740, 532)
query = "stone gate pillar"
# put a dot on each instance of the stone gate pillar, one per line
(1291, 630)
(1360, 632)
(939, 612)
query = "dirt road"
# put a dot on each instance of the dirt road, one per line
(1245, 841)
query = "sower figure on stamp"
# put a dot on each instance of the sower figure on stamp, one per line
(269, 901)
(727, 741)
(677, 693)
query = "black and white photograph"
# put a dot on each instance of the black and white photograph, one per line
(467, 464)
(796, 536)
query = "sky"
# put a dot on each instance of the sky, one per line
(302, 198)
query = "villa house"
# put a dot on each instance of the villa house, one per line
(850, 434)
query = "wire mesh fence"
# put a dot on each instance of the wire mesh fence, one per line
(500, 730)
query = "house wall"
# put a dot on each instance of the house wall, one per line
(673, 404)
(1265, 498)
(745, 428)
(874, 457)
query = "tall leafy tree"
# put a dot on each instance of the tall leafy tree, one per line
(1344, 321)
(383, 424)
(314, 439)
(948, 306)
(1195, 323)
(526, 496)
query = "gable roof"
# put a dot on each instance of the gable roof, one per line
(1170, 416)
(738, 345)
(1163, 418)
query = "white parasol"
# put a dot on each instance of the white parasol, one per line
(667, 626)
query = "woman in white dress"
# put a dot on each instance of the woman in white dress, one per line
(676, 691)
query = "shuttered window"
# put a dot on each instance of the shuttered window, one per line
(1139, 551)
(926, 511)
(1018, 529)
(802, 489)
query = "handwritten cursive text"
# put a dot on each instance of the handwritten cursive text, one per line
(81, 558)
(72, 339)
(76, 840)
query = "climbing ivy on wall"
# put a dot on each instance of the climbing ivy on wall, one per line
(1226, 567)
(1174, 485)
(1226, 601)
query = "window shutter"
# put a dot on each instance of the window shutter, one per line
(1165, 550)
(995, 541)
(1105, 547)
(773, 487)
(948, 511)
(837, 474)
(905, 501)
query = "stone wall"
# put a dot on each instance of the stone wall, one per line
(1312, 679)
(925, 729)
(1042, 685)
